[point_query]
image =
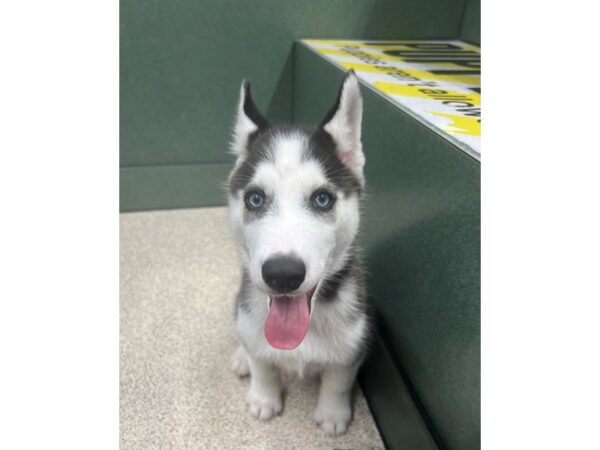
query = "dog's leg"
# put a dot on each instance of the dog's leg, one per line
(264, 396)
(239, 362)
(334, 410)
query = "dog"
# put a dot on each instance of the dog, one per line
(294, 203)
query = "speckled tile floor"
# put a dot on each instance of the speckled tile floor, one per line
(179, 275)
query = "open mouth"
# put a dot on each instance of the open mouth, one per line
(288, 320)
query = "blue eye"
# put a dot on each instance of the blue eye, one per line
(254, 200)
(323, 200)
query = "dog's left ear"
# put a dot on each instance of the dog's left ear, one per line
(248, 121)
(343, 123)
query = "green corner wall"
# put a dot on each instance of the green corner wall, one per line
(181, 65)
(421, 239)
(470, 29)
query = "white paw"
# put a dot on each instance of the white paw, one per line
(239, 362)
(333, 419)
(264, 407)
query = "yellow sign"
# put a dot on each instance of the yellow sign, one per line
(436, 80)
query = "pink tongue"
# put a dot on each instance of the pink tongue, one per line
(287, 322)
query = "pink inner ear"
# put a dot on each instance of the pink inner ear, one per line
(345, 157)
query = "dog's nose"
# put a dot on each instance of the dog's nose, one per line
(283, 273)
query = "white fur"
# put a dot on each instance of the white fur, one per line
(293, 229)
(334, 339)
(242, 129)
(334, 409)
(329, 349)
(264, 396)
(239, 362)
(345, 126)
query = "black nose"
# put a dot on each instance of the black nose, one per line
(283, 273)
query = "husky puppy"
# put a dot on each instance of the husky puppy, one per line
(294, 208)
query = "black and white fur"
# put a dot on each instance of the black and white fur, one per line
(289, 164)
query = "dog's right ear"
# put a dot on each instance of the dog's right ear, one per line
(248, 121)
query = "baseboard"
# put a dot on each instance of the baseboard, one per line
(399, 421)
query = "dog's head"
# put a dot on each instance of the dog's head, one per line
(294, 205)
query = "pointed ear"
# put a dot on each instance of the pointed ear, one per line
(248, 120)
(343, 123)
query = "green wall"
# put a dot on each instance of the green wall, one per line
(421, 240)
(470, 30)
(182, 64)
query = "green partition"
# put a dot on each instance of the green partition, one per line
(421, 239)
(470, 29)
(181, 65)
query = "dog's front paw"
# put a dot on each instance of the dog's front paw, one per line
(333, 418)
(264, 407)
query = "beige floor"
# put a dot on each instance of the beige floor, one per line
(179, 274)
